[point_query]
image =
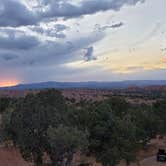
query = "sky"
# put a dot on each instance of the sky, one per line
(82, 40)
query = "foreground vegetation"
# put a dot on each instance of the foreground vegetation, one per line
(110, 130)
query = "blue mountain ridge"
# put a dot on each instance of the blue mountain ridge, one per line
(90, 85)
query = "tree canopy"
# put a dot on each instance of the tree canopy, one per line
(110, 130)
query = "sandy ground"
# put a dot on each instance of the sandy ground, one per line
(11, 157)
(151, 161)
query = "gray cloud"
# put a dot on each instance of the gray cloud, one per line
(37, 29)
(30, 39)
(89, 54)
(60, 27)
(163, 49)
(14, 13)
(8, 56)
(13, 39)
(50, 53)
(62, 8)
(98, 27)
(117, 25)
(56, 31)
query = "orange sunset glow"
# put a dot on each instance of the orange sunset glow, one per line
(8, 83)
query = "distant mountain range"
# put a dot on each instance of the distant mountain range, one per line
(90, 85)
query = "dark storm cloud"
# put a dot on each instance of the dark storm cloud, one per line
(12, 39)
(31, 40)
(14, 13)
(50, 52)
(63, 8)
(32, 51)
